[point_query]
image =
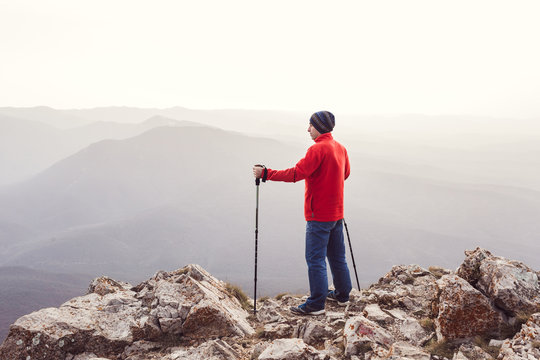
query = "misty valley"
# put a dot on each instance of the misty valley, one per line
(125, 192)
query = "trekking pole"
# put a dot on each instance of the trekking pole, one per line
(257, 182)
(352, 255)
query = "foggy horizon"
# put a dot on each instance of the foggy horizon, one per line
(418, 57)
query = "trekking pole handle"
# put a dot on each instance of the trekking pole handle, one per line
(264, 174)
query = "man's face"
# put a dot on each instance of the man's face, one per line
(313, 132)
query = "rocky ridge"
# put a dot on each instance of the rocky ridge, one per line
(489, 308)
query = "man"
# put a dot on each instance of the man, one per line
(324, 168)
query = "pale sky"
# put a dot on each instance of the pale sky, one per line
(362, 57)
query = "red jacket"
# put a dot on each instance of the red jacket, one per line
(325, 168)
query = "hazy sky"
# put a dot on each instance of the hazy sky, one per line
(364, 57)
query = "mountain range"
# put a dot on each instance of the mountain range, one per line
(149, 192)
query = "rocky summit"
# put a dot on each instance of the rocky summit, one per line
(488, 308)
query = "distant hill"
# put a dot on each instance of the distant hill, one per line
(152, 201)
(59, 119)
(174, 195)
(25, 290)
(107, 130)
(30, 145)
(272, 123)
(116, 178)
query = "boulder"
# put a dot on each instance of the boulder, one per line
(290, 349)
(510, 284)
(187, 302)
(192, 302)
(525, 344)
(102, 325)
(463, 311)
(409, 287)
(361, 334)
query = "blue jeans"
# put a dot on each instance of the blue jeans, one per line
(325, 239)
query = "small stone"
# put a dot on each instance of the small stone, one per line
(360, 332)
(285, 349)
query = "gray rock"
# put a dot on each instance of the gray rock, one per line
(361, 334)
(78, 326)
(280, 330)
(87, 356)
(268, 311)
(316, 332)
(525, 344)
(192, 302)
(258, 349)
(105, 285)
(210, 350)
(413, 331)
(510, 284)
(188, 314)
(114, 315)
(495, 343)
(471, 352)
(403, 350)
(374, 313)
(470, 268)
(411, 288)
(291, 349)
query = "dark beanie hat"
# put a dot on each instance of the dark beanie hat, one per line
(323, 121)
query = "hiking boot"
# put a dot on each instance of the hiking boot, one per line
(304, 309)
(332, 297)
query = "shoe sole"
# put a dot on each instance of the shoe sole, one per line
(340, 303)
(319, 312)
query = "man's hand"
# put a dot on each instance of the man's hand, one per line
(257, 171)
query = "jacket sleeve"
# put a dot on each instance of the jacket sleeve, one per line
(347, 166)
(304, 168)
